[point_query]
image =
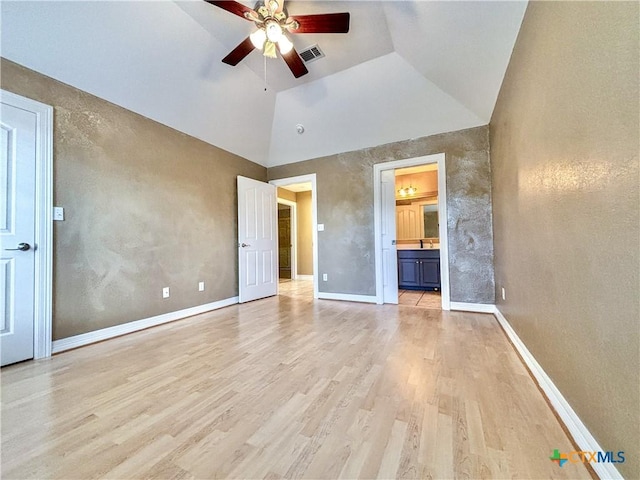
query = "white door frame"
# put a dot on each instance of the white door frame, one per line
(311, 178)
(42, 311)
(294, 237)
(438, 158)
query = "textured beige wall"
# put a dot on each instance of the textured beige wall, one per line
(564, 153)
(305, 233)
(345, 206)
(145, 207)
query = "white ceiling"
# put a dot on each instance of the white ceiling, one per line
(406, 69)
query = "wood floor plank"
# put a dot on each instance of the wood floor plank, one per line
(391, 457)
(286, 387)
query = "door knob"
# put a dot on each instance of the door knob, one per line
(245, 245)
(23, 247)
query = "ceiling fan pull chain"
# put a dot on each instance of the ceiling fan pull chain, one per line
(265, 73)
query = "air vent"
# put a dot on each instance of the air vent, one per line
(311, 54)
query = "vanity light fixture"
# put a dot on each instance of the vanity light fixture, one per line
(408, 191)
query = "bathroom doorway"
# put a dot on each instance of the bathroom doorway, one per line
(386, 241)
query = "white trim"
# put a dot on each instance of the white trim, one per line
(294, 236)
(576, 428)
(283, 182)
(440, 159)
(304, 277)
(473, 307)
(130, 327)
(347, 297)
(44, 220)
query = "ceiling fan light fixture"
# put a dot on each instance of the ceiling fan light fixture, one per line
(258, 38)
(285, 45)
(273, 31)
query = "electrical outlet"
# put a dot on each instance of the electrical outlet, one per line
(504, 295)
(325, 277)
(201, 286)
(165, 292)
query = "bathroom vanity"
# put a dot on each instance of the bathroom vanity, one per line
(419, 269)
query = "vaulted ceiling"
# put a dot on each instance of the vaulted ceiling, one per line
(406, 69)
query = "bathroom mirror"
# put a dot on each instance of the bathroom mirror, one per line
(430, 215)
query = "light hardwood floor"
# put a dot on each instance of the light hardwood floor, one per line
(286, 387)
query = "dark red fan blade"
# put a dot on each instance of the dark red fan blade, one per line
(238, 53)
(322, 23)
(295, 63)
(230, 6)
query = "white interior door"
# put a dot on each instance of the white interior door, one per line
(388, 229)
(17, 232)
(257, 239)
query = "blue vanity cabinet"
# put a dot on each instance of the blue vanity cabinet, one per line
(419, 269)
(408, 272)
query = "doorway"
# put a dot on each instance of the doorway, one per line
(386, 260)
(286, 239)
(298, 193)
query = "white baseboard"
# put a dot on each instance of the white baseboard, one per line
(473, 307)
(347, 297)
(304, 277)
(117, 330)
(576, 428)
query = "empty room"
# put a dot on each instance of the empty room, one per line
(320, 239)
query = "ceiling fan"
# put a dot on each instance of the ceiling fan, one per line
(273, 24)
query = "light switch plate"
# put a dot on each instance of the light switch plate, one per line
(201, 286)
(58, 214)
(321, 227)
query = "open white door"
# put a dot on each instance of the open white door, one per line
(17, 233)
(257, 239)
(388, 230)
